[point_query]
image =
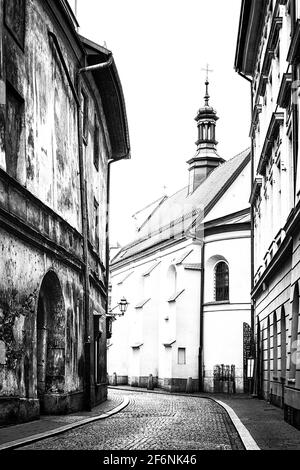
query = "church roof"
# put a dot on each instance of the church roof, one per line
(182, 210)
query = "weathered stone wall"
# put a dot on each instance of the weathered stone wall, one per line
(18, 312)
(41, 214)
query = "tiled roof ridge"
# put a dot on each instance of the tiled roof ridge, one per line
(137, 241)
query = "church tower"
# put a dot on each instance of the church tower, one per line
(206, 158)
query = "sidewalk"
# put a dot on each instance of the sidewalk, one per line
(265, 422)
(12, 435)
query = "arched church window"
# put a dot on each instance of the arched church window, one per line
(221, 282)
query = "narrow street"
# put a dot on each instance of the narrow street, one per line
(152, 422)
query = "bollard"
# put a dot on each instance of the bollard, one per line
(150, 383)
(189, 385)
(115, 379)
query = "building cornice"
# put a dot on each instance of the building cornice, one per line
(251, 22)
(273, 130)
(256, 189)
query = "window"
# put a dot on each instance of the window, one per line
(96, 224)
(181, 356)
(221, 282)
(275, 345)
(283, 344)
(14, 130)
(96, 143)
(84, 114)
(97, 349)
(294, 334)
(15, 19)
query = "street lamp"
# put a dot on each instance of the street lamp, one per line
(123, 305)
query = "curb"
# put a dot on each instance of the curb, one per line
(248, 442)
(165, 392)
(45, 435)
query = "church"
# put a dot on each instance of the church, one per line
(187, 280)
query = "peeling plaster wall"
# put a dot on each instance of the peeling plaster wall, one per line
(41, 220)
(18, 310)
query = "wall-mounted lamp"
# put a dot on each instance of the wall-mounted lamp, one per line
(123, 305)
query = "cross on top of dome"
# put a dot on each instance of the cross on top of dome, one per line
(206, 97)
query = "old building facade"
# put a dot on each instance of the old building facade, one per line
(61, 125)
(268, 53)
(187, 280)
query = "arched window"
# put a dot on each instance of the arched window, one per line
(221, 282)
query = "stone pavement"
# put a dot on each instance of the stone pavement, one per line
(153, 422)
(49, 423)
(162, 421)
(264, 421)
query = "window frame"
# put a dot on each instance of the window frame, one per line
(96, 156)
(225, 297)
(179, 357)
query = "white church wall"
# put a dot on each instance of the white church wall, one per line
(235, 250)
(223, 342)
(188, 326)
(153, 328)
(223, 321)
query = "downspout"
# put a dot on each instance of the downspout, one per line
(201, 341)
(252, 345)
(107, 261)
(107, 248)
(84, 211)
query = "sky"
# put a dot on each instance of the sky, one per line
(160, 48)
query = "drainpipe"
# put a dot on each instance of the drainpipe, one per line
(84, 203)
(252, 346)
(92, 68)
(84, 212)
(107, 261)
(84, 219)
(201, 342)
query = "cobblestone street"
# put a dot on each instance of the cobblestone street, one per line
(154, 422)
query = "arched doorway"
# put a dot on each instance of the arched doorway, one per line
(50, 341)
